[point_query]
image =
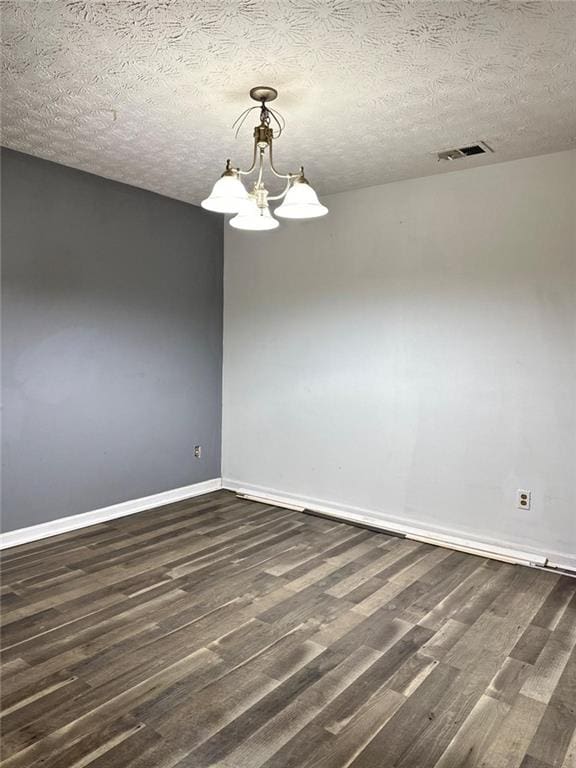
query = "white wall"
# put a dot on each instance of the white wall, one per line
(413, 354)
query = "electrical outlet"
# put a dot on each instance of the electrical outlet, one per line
(523, 499)
(197, 451)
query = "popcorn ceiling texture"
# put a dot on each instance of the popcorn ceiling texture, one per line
(145, 92)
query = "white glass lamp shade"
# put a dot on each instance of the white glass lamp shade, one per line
(251, 216)
(227, 196)
(301, 202)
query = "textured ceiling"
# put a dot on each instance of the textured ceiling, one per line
(146, 91)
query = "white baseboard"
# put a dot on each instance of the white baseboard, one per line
(459, 540)
(560, 560)
(442, 537)
(71, 523)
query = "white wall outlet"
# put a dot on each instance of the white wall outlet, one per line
(197, 451)
(523, 499)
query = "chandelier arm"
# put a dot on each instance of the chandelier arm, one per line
(284, 192)
(249, 171)
(288, 176)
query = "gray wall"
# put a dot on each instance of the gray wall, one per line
(112, 338)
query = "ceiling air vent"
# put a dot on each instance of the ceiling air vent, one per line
(473, 149)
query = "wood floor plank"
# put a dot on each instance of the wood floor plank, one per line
(397, 735)
(530, 644)
(508, 680)
(264, 743)
(554, 606)
(476, 734)
(552, 738)
(448, 718)
(313, 748)
(343, 709)
(570, 757)
(222, 633)
(548, 669)
(513, 736)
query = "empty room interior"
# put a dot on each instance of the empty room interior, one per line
(288, 384)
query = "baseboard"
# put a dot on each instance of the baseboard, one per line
(506, 551)
(65, 524)
(561, 561)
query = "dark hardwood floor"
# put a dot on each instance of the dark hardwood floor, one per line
(221, 632)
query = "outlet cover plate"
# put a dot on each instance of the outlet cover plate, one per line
(523, 499)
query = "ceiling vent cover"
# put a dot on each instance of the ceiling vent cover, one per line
(472, 149)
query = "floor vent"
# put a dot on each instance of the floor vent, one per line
(473, 149)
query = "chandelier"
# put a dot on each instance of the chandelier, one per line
(252, 209)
